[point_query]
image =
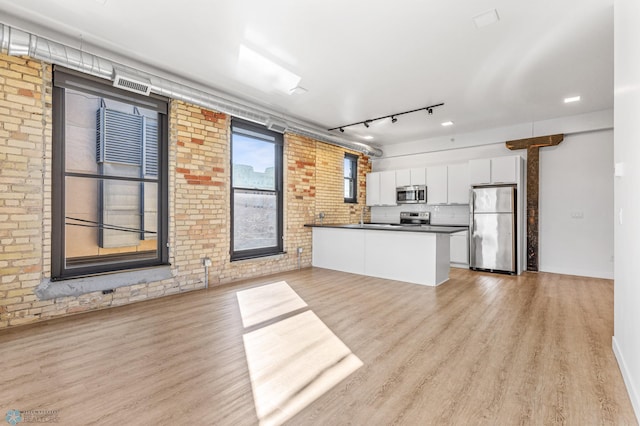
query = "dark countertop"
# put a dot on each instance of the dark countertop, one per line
(437, 229)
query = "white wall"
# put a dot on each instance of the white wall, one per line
(626, 340)
(576, 206)
(575, 176)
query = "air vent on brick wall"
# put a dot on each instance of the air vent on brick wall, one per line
(135, 84)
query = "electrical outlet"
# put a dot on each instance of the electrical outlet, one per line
(206, 261)
(299, 250)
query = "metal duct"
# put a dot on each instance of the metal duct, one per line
(20, 43)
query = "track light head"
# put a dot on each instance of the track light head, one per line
(430, 111)
(393, 119)
(341, 130)
(366, 124)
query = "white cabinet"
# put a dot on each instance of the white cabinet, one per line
(388, 188)
(437, 185)
(419, 176)
(403, 177)
(459, 248)
(381, 188)
(494, 170)
(480, 171)
(373, 189)
(415, 176)
(448, 184)
(504, 170)
(458, 184)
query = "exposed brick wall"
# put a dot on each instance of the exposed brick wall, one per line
(199, 196)
(25, 125)
(330, 200)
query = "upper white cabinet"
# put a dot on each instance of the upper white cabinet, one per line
(416, 176)
(388, 188)
(448, 184)
(504, 169)
(381, 188)
(494, 170)
(403, 177)
(437, 185)
(373, 189)
(458, 184)
(419, 176)
(480, 171)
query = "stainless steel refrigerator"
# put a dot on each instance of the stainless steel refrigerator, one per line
(492, 229)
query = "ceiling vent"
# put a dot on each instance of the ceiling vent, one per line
(276, 125)
(131, 83)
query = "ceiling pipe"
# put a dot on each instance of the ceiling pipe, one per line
(20, 43)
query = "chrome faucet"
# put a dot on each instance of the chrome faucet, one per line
(364, 208)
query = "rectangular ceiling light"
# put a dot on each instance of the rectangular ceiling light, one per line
(263, 73)
(447, 123)
(571, 99)
(487, 18)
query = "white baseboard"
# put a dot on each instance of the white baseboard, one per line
(554, 269)
(631, 389)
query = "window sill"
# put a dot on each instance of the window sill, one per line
(74, 287)
(278, 255)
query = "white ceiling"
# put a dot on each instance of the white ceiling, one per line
(361, 59)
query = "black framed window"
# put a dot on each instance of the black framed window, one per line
(256, 191)
(110, 174)
(350, 178)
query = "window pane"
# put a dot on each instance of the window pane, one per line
(348, 193)
(253, 163)
(100, 131)
(348, 167)
(255, 220)
(104, 221)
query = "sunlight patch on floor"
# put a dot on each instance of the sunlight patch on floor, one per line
(293, 361)
(260, 304)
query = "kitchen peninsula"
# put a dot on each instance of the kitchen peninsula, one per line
(415, 254)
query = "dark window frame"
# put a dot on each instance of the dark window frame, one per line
(354, 180)
(67, 79)
(278, 166)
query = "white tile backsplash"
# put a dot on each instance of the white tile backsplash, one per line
(440, 215)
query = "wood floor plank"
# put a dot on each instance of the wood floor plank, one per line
(482, 349)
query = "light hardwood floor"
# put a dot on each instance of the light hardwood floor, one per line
(479, 349)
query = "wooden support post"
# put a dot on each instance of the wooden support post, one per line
(533, 145)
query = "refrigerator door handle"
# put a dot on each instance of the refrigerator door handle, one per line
(472, 199)
(472, 257)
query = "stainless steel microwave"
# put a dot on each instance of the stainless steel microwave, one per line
(412, 194)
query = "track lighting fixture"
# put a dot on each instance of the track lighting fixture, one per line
(394, 118)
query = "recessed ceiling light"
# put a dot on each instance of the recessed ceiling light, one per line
(571, 99)
(367, 137)
(487, 18)
(447, 123)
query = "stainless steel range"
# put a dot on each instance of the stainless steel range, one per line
(415, 218)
